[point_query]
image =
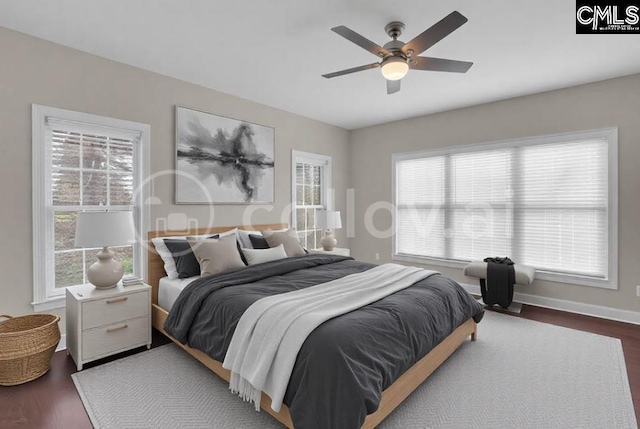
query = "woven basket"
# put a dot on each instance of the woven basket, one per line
(26, 346)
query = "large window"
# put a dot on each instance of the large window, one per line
(311, 180)
(549, 202)
(81, 163)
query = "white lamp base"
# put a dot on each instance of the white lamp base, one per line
(328, 242)
(107, 272)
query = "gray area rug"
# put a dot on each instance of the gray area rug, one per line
(519, 374)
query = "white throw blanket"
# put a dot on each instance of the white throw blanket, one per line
(271, 331)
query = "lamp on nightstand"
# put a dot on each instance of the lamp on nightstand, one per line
(328, 221)
(104, 229)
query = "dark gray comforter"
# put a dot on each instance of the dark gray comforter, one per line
(346, 363)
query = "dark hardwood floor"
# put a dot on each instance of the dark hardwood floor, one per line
(52, 400)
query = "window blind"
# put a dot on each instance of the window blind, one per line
(561, 207)
(420, 219)
(545, 205)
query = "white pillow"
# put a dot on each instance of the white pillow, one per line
(167, 257)
(258, 256)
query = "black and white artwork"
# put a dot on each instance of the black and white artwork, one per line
(222, 160)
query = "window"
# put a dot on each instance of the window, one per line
(311, 181)
(549, 202)
(81, 163)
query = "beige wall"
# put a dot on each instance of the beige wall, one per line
(36, 71)
(612, 103)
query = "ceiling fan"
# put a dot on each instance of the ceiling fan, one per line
(398, 57)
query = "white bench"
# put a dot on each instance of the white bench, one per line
(525, 275)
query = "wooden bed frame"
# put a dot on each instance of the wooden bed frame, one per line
(391, 397)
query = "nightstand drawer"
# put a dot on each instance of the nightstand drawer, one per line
(111, 310)
(119, 336)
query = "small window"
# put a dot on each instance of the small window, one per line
(81, 163)
(549, 202)
(311, 179)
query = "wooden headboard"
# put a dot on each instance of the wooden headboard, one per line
(155, 265)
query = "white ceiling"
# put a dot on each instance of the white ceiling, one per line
(274, 51)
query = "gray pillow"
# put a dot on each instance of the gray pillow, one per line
(289, 239)
(216, 255)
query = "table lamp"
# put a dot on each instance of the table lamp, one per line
(328, 220)
(104, 229)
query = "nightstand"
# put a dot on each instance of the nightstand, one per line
(336, 251)
(103, 322)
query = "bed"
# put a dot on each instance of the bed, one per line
(394, 389)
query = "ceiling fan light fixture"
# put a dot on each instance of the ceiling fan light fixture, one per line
(398, 57)
(394, 68)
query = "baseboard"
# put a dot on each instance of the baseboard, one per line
(569, 306)
(63, 343)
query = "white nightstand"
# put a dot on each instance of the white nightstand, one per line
(103, 322)
(336, 251)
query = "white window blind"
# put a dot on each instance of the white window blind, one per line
(480, 204)
(543, 202)
(421, 210)
(561, 209)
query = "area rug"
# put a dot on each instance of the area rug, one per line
(519, 374)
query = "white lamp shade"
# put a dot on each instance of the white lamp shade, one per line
(328, 220)
(104, 229)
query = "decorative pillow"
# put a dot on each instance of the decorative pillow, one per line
(244, 238)
(289, 239)
(217, 255)
(237, 243)
(165, 254)
(258, 242)
(185, 261)
(258, 256)
(167, 257)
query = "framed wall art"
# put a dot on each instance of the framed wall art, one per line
(221, 160)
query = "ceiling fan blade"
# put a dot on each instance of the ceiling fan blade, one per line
(351, 70)
(435, 33)
(359, 40)
(393, 86)
(439, 64)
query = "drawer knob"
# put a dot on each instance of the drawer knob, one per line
(113, 301)
(117, 328)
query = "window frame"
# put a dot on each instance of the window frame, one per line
(45, 295)
(609, 134)
(316, 159)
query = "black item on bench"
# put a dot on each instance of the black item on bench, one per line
(501, 276)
